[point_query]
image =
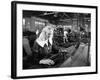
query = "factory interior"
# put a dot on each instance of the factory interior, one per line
(72, 34)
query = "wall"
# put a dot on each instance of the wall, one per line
(5, 41)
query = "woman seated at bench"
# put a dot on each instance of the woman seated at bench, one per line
(44, 50)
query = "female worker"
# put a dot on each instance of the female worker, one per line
(44, 51)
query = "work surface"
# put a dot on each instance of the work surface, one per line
(80, 58)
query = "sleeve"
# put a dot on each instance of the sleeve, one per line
(58, 57)
(35, 50)
(55, 55)
(35, 47)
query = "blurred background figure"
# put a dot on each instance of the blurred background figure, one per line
(65, 36)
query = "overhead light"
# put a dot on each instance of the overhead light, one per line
(47, 13)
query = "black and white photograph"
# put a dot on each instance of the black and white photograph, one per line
(53, 39)
(56, 39)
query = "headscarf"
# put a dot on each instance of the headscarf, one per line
(43, 38)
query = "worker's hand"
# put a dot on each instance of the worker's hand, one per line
(47, 61)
